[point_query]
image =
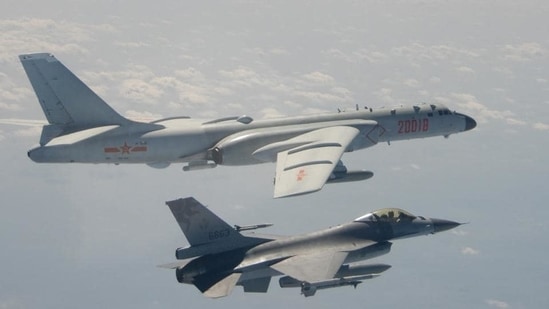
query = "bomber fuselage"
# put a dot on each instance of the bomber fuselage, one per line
(233, 141)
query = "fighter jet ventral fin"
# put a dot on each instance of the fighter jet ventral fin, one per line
(306, 168)
(258, 285)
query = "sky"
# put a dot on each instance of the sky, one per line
(91, 236)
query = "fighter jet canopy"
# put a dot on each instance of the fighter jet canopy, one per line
(387, 215)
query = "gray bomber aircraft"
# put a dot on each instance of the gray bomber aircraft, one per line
(220, 257)
(307, 149)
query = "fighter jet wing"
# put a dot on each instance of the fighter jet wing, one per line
(218, 285)
(306, 168)
(312, 267)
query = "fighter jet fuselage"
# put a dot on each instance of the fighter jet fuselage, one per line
(318, 260)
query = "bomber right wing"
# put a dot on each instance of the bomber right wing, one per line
(306, 168)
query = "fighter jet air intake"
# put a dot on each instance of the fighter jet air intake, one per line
(220, 257)
(307, 149)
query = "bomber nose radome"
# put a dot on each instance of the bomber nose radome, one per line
(470, 123)
(441, 225)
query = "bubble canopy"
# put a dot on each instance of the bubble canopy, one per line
(387, 215)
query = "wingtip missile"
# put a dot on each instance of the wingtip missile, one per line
(240, 228)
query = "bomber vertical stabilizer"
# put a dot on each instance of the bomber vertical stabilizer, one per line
(68, 104)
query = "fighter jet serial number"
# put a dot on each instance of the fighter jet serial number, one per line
(413, 125)
(213, 235)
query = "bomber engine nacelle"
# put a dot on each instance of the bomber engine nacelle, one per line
(240, 148)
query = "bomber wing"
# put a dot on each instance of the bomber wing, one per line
(306, 168)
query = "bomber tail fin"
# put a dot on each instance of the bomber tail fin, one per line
(200, 225)
(69, 105)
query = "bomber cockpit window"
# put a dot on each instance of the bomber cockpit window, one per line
(393, 215)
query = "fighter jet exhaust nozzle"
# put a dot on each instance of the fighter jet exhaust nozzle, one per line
(181, 276)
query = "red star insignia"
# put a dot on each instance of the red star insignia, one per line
(125, 148)
(301, 174)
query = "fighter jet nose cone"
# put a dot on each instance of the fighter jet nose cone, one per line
(441, 225)
(470, 123)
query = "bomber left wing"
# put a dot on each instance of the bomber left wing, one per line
(307, 167)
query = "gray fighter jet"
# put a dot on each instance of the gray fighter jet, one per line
(220, 257)
(307, 149)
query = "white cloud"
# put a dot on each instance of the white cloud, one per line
(338, 54)
(318, 77)
(470, 251)
(413, 83)
(319, 96)
(515, 122)
(37, 34)
(132, 44)
(242, 73)
(12, 92)
(23, 122)
(11, 303)
(524, 51)
(430, 53)
(370, 56)
(497, 303)
(415, 166)
(271, 113)
(385, 94)
(465, 69)
(541, 126)
(142, 116)
(279, 51)
(139, 90)
(190, 73)
(9, 106)
(459, 232)
(470, 105)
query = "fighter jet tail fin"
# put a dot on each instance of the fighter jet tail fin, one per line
(69, 105)
(200, 225)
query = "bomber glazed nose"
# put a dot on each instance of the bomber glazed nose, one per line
(470, 123)
(441, 225)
